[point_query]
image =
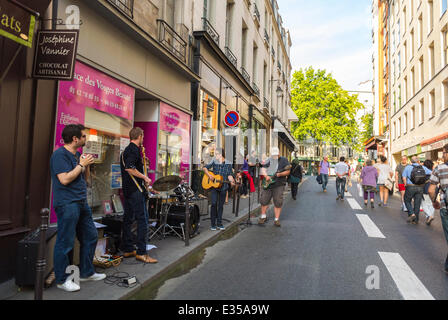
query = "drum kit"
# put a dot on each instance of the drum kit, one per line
(168, 208)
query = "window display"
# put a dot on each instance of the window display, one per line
(174, 142)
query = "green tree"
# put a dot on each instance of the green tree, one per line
(325, 111)
(367, 127)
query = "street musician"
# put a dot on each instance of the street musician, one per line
(135, 186)
(219, 169)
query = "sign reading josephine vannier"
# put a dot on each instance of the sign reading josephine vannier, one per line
(16, 23)
(55, 54)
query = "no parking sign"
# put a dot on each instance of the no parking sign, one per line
(232, 119)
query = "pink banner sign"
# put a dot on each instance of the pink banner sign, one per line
(92, 89)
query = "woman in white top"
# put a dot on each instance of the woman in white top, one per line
(384, 172)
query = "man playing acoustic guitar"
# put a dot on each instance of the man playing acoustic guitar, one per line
(275, 171)
(219, 166)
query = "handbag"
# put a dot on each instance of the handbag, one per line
(319, 179)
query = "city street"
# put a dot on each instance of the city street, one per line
(325, 249)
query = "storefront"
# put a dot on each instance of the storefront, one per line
(105, 106)
(433, 148)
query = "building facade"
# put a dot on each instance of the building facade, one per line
(419, 77)
(378, 144)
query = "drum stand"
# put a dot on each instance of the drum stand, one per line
(161, 230)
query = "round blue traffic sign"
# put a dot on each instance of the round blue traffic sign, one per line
(232, 119)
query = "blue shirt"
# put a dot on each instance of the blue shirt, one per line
(62, 161)
(224, 169)
(408, 170)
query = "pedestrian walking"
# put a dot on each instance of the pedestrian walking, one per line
(399, 180)
(349, 176)
(427, 205)
(342, 171)
(439, 185)
(324, 171)
(414, 178)
(385, 174)
(368, 177)
(69, 172)
(295, 176)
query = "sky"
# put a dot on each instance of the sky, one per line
(335, 35)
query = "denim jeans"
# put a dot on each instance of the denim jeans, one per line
(135, 210)
(324, 181)
(74, 219)
(416, 193)
(444, 218)
(218, 198)
(340, 186)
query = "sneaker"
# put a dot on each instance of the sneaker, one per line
(94, 277)
(411, 218)
(69, 286)
(429, 220)
(342, 199)
(384, 204)
(213, 228)
(261, 220)
(404, 208)
(221, 228)
(277, 223)
(372, 204)
(339, 197)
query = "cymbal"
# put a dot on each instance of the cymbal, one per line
(167, 183)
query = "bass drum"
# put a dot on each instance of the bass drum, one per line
(176, 217)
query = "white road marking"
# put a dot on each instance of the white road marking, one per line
(410, 287)
(369, 226)
(354, 204)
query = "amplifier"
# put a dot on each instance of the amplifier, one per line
(27, 255)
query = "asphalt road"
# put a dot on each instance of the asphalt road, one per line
(325, 250)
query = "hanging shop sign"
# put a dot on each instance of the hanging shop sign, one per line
(17, 23)
(55, 54)
(232, 119)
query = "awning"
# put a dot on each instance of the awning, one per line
(284, 134)
(434, 139)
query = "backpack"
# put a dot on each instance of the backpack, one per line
(418, 175)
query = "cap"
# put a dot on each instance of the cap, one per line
(275, 151)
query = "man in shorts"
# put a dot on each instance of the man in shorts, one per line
(275, 170)
(399, 179)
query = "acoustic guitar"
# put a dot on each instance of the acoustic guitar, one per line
(217, 181)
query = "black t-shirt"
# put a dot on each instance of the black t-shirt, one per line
(133, 160)
(277, 165)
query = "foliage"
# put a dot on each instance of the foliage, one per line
(324, 110)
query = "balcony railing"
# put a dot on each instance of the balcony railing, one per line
(245, 74)
(172, 41)
(279, 65)
(210, 30)
(273, 51)
(231, 57)
(266, 104)
(125, 6)
(256, 12)
(266, 37)
(256, 89)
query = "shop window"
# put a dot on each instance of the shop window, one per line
(174, 142)
(209, 126)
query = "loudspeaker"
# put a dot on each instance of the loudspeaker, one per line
(27, 255)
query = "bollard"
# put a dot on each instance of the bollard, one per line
(187, 221)
(41, 261)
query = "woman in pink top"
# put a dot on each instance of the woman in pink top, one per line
(368, 179)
